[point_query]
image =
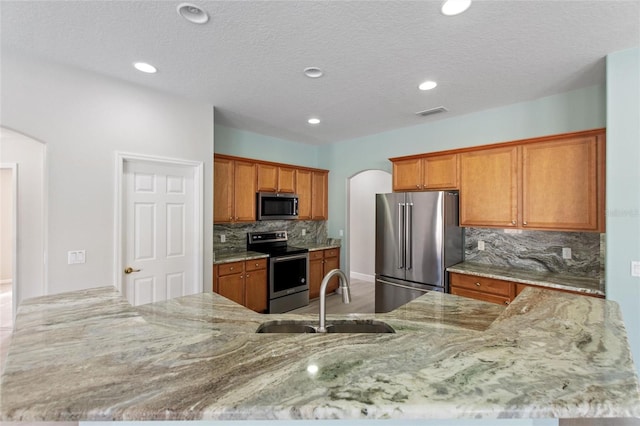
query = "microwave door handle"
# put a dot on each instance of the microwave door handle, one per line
(401, 235)
(409, 236)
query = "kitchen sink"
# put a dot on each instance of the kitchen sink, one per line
(285, 327)
(340, 326)
(360, 327)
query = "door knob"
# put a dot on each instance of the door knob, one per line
(129, 270)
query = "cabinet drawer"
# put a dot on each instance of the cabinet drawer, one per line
(481, 284)
(331, 253)
(316, 255)
(229, 268)
(485, 297)
(252, 265)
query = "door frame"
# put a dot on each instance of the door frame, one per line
(13, 167)
(198, 201)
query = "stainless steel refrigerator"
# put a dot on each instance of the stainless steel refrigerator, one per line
(417, 237)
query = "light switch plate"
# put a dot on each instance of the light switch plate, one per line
(76, 256)
(635, 268)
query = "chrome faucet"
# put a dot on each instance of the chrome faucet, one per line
(346, 295)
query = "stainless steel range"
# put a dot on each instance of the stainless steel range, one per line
(288, 270)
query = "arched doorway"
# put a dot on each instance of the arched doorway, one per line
(361, 234)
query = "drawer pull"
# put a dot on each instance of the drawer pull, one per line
(506, 302)
(231, 268)
(477, 284)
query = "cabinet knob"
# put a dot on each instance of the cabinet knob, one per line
(513, 222)
(524, 223)
(246, 276)
(230, 217)
(418, 186)
(506, 302)
(231, 268)
(477, 284)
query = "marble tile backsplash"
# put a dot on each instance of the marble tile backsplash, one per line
(537, 250)
(236, 233)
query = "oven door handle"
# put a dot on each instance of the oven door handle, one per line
(291, 257)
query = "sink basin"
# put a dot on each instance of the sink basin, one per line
(359, 327)
(343, 326)
(285, 327)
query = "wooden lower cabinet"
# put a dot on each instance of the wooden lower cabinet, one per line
(480, 288)
(493, 290)
(244, 282)
(320, 263)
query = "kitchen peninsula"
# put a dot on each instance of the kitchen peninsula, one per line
(89, 355)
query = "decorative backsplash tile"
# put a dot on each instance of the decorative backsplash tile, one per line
(236, 233)
(537, 250)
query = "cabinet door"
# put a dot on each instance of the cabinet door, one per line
(489, 187)
(303, 189)
(244, 191)
(559, 184)
(407, 175)
(222, 190)
(440, 172)
(267, 178)
(256, 290)
(286, 180)
(319, 196)
(315, 274)
(332, 262)
(232, 287)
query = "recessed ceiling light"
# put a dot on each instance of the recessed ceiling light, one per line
(193, 13)
(145, 67)
(454, 7)
(427, 85)
(313, 121)
(313, 72)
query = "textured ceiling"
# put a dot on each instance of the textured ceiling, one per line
(248, 59)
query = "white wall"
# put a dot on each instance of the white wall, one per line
(84, 118)
(363, 188)
(29, 155)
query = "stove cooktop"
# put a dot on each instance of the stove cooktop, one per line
(272, 243)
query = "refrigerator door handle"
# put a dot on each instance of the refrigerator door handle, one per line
(402, 286)
(408, 253)
(401, 235)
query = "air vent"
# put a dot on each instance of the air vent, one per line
(431, 111)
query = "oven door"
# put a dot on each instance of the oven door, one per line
(288, 275)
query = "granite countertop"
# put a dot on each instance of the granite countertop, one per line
(227, 256)
(320, 246)
(89, 355)
(593, 286)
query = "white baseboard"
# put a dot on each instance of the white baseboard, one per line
(363, 277)
(7, 281)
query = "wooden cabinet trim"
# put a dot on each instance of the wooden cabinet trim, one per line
(592, 132)
(271, 163)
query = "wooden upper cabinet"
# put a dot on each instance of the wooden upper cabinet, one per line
(407, 175)
(489, 187)
(440, 172)
(559, 184)
(234, 191)
(286, 180)
(222, 190)
(319, 195)
(426, 173)
(303, 189)
(272, 178)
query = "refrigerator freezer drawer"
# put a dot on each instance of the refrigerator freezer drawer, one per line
(391, 294)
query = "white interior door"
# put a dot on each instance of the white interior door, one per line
(159, 232)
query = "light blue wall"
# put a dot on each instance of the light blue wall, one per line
(252, 145)
(566, 112)
(623, 188)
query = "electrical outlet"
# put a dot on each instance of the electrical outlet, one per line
(566, 252)
(635, 268)
(480, 245)
(341, 233)
(304, 232)
(223, 238)
(76, 256)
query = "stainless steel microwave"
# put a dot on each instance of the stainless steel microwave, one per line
(276, 206)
